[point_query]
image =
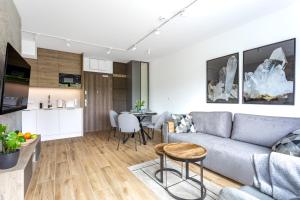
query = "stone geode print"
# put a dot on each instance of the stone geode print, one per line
(222, 79)
(269, 74)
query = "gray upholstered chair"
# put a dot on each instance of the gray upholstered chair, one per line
(129, 124)
(113, 118)
(157, 122)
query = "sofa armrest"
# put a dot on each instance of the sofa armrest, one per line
(165, 132)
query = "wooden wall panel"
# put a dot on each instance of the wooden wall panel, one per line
(34, 77)
(120, 87)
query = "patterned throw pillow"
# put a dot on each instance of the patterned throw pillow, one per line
(290, 144)
(183, 123)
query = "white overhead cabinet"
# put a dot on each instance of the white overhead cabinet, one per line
(94, 64)
(53, 124)
(97, 65)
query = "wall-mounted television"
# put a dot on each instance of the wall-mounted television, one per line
(14, 82)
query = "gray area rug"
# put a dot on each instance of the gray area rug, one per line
(182, 188)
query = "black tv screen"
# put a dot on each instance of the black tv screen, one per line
(15, 76)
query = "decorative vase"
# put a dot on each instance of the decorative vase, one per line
(9, 160)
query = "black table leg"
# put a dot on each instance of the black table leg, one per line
(142, 130)
(199, 182)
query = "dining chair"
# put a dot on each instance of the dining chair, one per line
(129, 124)
(157, 122)
(113, 118)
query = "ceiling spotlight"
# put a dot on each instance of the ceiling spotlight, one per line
(149, 51)
(133, 48)
(161, 18)
(68, 42)
(157, 32)
(108, 51)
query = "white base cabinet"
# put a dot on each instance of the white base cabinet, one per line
(53, 124)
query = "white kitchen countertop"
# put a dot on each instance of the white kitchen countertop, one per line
(31, 109)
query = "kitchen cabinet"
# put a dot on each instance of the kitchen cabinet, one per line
(97, 65)
(94, 64)
(54, 123)
(29, 123)
(48, 122)
(49, 63)
(71, 121)
(47, 68)
(69, 63)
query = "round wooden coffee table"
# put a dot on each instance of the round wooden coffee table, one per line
(188, 153)
(159, 150)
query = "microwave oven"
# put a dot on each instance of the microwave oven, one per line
(69, 80)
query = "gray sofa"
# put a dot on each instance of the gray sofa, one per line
(231, 143)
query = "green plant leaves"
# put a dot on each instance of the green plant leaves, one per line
(10, 141)
(139, 104)
(2, 128)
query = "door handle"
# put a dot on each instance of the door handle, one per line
(85, 103)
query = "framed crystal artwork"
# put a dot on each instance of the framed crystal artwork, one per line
(222, 77)
(269, 74)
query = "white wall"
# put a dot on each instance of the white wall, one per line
(37, 95)
(178, 81)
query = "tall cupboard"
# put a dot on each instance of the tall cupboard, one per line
(97, 101)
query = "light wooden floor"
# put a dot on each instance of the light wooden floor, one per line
(90, 167)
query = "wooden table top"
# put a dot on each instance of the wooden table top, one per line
(185, 151)
(159, 148)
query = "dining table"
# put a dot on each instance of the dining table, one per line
(141, 116)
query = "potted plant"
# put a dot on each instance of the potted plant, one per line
(139, 104)
(9, 152)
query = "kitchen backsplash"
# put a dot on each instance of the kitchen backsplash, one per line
(38, 95)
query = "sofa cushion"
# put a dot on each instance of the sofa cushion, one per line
(213, 123)
(262, 130)
(228, 157)
(183, 123)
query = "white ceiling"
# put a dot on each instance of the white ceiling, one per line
(120, 23)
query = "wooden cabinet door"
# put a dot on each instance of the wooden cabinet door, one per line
(70, 121)
(34, 77)
(47, 123)
(90, 101)
(103, 100)
(69, 63)
(47, 68)
(98, 94)
(29, 121)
